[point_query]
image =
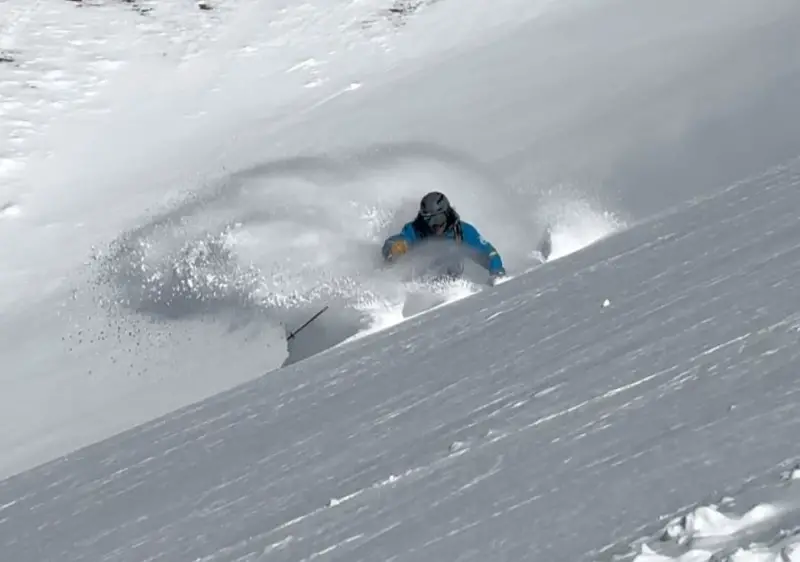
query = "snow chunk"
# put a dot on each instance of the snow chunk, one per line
(707, 534)
(707, 521)
(793, 474)
(9, 210)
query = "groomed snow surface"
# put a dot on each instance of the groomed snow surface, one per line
(181, 187)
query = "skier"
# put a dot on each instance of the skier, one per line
(437, 219)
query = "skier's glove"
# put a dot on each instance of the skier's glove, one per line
(397, 248)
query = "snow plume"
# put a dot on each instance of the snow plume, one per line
(575, 221)
(274, 243)
(245, 253)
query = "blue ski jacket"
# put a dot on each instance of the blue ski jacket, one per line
(482, 251)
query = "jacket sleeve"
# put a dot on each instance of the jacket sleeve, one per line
(484, 253)
(407, 234)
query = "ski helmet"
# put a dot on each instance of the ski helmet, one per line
(435, 210)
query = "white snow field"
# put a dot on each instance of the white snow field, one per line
(179, 187)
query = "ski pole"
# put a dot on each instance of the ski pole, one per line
(309, 321)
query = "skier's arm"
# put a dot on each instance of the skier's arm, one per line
(483, 252)
(398, 244)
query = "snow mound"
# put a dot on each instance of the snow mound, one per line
(767, 532)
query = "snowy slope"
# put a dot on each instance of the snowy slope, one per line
(173, 208)
(219, 137)
(535, 425)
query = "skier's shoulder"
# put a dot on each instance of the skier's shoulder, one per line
(467, 226)
(471, 233)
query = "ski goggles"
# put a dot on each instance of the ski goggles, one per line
(437, 221)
